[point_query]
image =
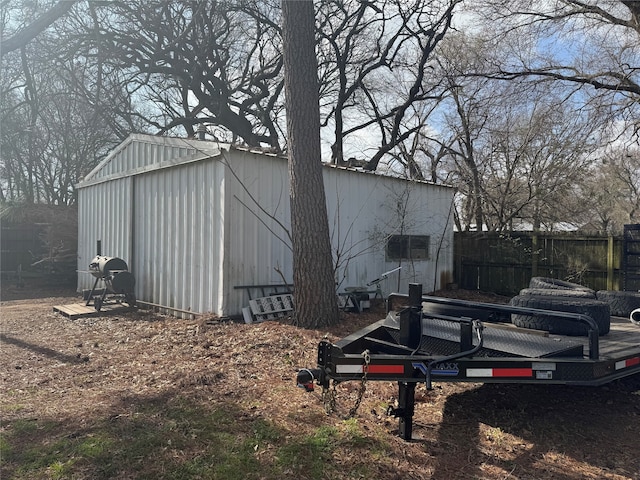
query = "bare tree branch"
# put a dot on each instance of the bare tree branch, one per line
(31, 31)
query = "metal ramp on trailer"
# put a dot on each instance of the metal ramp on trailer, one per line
(442, 337)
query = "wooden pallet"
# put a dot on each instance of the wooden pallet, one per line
(272, 308)
(80, 310)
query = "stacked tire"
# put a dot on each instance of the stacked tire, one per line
(557, 284)
(560, 296)
(553, 292)
(621, 303)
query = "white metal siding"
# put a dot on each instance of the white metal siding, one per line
(104, 213)
(140, 151)
(178, 235)
(364, 209)
(257, 208)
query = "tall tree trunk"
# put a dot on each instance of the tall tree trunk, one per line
(313, 276)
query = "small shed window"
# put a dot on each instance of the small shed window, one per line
(408, 247)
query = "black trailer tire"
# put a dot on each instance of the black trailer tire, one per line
(597, 310)
(621, 303)
(546, 282)
(558, 292)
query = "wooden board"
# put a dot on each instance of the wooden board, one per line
(79, 310)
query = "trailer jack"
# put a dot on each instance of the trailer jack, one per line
(405, 410)
(406, 390)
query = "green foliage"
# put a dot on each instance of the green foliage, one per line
(308, 455)
(179, 439)
(159, 440)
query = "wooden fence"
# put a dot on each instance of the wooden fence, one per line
(504, 263)
(21, 245)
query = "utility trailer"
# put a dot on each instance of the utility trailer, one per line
(432, 339)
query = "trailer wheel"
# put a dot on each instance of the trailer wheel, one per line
(558, 292)
(546, 282)
(597, 310)
(620, 303)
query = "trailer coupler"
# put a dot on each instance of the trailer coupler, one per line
(307, 376)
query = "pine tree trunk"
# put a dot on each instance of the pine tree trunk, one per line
(313, 276)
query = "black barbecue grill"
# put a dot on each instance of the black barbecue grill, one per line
(118, 282)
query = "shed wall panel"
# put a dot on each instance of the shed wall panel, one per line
(140, 155)
(258, 249)
(178, 236)
(104, 213)
(363, 209)
(140, 151)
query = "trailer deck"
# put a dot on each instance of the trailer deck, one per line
(416, 343)
(505, 339)
(623, 338)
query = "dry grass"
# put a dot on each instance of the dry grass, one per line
(140, 395)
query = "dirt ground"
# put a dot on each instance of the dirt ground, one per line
(79, 372)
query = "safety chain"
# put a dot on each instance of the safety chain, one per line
(363, 384)
(329, 398)
(329, 394)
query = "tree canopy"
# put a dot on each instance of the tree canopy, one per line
(519, 105)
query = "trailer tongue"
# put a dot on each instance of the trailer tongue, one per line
(437, 339)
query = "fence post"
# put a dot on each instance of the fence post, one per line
(534, 255)
(610, 262)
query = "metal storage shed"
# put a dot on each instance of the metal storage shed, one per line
(195, 218)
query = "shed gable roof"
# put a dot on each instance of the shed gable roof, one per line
(140, 153)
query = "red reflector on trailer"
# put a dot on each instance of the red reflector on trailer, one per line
(499, 372)
(629, 362)
(512, 372)
(385, 369)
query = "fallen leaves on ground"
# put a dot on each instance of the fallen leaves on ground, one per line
(98, 367)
